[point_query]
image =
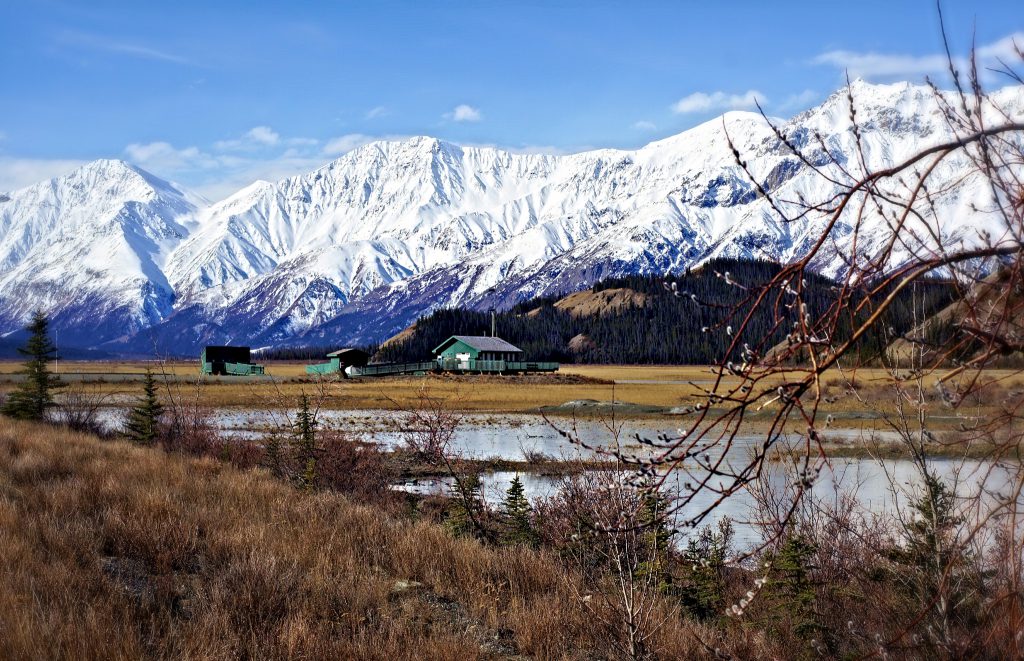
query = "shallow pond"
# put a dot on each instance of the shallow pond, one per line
(876, 485)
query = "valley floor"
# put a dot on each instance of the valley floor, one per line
(856, 401)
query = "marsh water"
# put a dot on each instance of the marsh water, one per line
(877, 485)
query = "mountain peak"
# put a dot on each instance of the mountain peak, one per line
(111, 168)
(417, 144)
(396, 227)
(106, 173)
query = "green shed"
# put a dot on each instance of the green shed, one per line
(339, 360)
(228, 360)
(476, 353)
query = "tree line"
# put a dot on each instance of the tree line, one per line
(308, 352)
(684, 319)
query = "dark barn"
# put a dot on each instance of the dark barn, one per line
(228, 360)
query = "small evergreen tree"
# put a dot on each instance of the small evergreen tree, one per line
(930, 534)
(305, 442)
(143, 424)
(794, 588)
(656, 537)
(517, 526)
(274, 459)
(466, 509)
(937, 568)
(35, 394)
(703, 590)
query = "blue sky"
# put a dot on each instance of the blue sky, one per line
(217, 94)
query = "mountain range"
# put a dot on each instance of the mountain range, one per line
(352, 252)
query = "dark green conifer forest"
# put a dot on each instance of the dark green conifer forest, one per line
(685, 320)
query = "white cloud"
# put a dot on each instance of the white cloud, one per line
(260, 153)
(345, 143)
(17, 173)
(232, 179)
(216, 175)
(714, 101)
(464, 113)
(379, 111)
(878, 65)
(1004, 49)
(644, 125)
(800, 101)
(163, 156)
(264, 135)
(106, 44)
(889, 66)
(258, 137)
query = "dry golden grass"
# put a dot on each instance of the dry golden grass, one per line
(108, 367)
(656, 386)
(484, 394)
(659, 386)
(280, 369)
(117, 552)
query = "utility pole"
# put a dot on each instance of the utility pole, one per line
(489, 293)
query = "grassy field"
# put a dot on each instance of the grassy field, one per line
(109, 551)
(652, 389)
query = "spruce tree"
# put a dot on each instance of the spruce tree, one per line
(703, 588)
(930, 534)
(515, 516)
(466, 509)
(937, 565)
(274, 459)
(795, 587)
(35, 394)
(305, 441)
(143, 424)
(656, 538)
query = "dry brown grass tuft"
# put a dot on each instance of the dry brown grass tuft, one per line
(114, 551)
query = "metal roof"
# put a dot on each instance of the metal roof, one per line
(346, 350)
(481, 343)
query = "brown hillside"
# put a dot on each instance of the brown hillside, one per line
(993, 308)
(579, 304)
(587, 302)
(109, 551)
(400, 336)
(581, 343)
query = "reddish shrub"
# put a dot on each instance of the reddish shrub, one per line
(352, 467)
(188, 428)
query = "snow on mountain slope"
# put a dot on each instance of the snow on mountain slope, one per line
(682, 209)
(393, 229)
(90, 248)
(389, 211)
(423, 192)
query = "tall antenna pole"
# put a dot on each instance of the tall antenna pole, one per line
(490, 292)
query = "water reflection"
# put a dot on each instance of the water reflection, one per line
(877, 486)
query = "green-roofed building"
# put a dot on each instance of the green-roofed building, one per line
(338, 360)
(480, 353)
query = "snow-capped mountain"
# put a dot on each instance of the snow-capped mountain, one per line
(89, 248)
(358, 248)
